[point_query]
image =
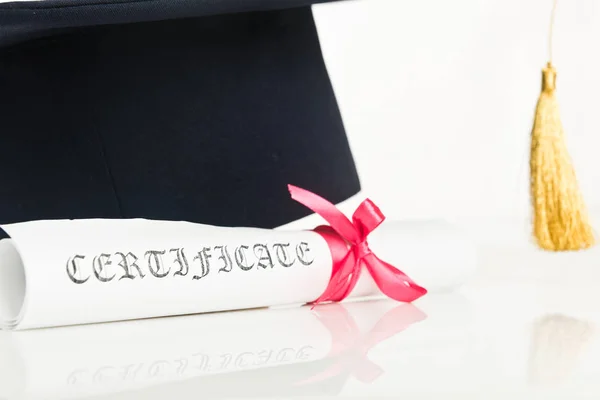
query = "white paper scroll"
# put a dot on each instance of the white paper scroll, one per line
(55, 273)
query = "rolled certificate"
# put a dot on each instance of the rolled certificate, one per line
(69, 272)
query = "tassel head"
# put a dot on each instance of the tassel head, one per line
(548, 78)
(559, 213)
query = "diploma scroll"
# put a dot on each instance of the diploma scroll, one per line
(69, 272)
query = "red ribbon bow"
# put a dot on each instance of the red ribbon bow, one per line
(349, 260)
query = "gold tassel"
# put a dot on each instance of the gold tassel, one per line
(560, 217)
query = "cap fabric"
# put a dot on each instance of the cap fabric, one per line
(199, 110)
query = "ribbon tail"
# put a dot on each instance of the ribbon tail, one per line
(356, 271)
(327, 211)
(392, 282)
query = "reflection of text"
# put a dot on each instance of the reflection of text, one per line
(181, 262)
(189, 366)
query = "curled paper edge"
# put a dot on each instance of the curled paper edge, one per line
(13, 282)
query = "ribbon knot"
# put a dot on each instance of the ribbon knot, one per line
(350, 250)
(362, 250)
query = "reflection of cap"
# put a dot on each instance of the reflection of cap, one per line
(181, 110)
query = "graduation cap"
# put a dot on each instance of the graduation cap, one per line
(196, 110)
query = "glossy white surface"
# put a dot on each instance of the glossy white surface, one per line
(525, 327)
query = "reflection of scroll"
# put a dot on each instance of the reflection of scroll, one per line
(558, 342)
(307, 347)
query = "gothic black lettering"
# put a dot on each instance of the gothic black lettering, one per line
(283, 255)
(128, 265)
(302, 251)
(204, 257)
(261, 251)
(100, 263)
(226, 258)
(241, 259)
(74, 270)
(155, 263)
(106, 267)
(181, 259)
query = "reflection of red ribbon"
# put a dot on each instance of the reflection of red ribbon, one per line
(348, 260)
(352, 346)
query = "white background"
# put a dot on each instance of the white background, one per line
(438, 98)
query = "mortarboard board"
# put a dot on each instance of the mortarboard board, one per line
(189, 110)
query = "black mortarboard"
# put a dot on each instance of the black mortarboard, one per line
(197, 110)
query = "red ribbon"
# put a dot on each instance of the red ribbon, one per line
(350, 250)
